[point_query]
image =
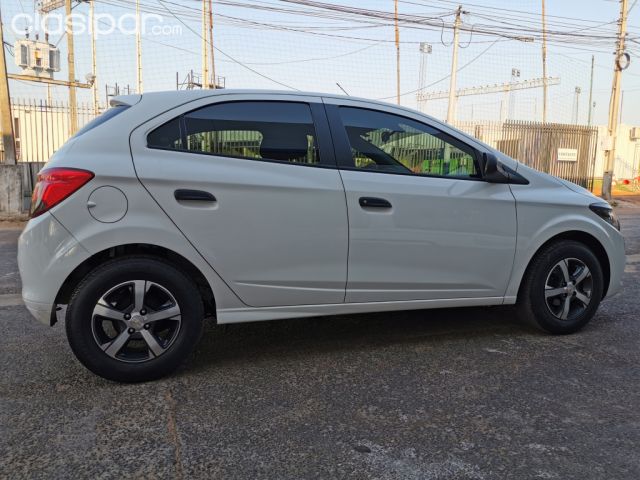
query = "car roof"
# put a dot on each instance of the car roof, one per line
(180, 96)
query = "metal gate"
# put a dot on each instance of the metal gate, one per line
(566, 151)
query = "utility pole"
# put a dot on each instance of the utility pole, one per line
(94, 61)
(614, 105)
(140, 86)
(71, 67)
(205, 46)
(593, 60)
(6, 119)
(397, 53)
(451, 111)
(544, 64)
(214, 80)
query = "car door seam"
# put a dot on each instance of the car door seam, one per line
(346, 203)
(174, 223)
(515, 246)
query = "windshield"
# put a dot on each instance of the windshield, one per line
(104, 117)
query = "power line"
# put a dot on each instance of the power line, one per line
(226, 54)
(445, 77)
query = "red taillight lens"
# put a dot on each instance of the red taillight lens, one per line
(54, 185)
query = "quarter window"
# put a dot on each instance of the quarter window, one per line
(280, 131)
(390, 143)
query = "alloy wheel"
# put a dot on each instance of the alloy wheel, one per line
(568, 288)
(136, 321)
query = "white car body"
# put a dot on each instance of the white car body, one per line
(285, 240)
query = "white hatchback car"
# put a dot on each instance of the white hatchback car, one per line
(254, 205)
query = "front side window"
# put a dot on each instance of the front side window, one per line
(390, 143)
(280, 131)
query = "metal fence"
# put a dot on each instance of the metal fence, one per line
(42, 127)
(566, 151)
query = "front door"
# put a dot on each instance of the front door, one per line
(254, 187)
(423, 224)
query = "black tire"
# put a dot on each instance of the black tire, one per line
(161, 278)
(532, 303)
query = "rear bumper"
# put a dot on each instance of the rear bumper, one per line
(47, 254)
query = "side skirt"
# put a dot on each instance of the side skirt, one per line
(240, 315)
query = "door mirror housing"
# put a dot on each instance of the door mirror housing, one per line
(493, 171)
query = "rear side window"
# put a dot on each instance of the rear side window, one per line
(99, 120)
(166, 136)
(275, 131)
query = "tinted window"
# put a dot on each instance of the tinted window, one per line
(390, 143)
(166, 136)
(281, 131)
(99, 120)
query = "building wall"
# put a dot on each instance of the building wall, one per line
(11, 201)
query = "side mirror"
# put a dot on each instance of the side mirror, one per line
(491, 171)
(495, 172)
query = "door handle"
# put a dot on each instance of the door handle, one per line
(184, 195)
(373, 202)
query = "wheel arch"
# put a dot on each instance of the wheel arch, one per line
(177, 260)
(581, 237)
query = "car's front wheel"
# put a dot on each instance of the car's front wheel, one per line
(134, 319)
(562, 288)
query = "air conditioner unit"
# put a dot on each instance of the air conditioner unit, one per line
(634, 133)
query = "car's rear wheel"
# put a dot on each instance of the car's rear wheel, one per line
(134, 319)
(562, 288)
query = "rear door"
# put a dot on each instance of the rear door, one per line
(252, 183)
(423, 224)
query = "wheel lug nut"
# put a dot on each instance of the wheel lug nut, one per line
(143, 312)
(127, 316)
(131, 330)
(146, 326)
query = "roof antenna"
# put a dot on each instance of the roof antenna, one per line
(340, 87)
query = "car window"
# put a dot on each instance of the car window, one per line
(166, 136)
(102, 118)
(390, 143)
(280, 131)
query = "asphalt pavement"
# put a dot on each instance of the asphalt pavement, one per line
(434, 394)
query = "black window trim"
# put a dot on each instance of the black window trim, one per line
(325, 149)
(343, 145)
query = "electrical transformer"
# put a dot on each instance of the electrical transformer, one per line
(37, 58)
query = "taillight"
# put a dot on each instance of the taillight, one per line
(54, 185)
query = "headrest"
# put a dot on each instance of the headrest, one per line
(284, 144)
